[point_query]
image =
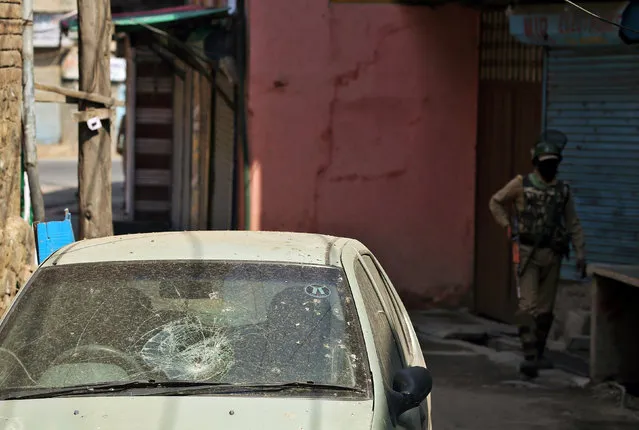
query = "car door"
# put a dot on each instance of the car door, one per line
(402, 334)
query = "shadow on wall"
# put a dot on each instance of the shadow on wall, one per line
(365, 127)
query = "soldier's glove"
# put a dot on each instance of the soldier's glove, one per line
(581, 267)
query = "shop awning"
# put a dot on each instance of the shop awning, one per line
(125, 22)
(564, 25)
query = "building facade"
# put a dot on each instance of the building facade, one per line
(56, 63)
(362, 122)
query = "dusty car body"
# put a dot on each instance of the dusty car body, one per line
(231, 330)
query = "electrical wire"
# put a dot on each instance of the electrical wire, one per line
(601, 18)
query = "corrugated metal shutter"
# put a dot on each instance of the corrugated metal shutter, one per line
(153, 137)
(593, 97)
(224, 160)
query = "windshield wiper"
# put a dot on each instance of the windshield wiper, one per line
(256, 388)
(309, 385)
(173, 388)
(110, 387)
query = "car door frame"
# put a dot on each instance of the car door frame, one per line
(410, 347)
(381, 416)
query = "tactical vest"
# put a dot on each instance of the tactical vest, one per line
(535, 224)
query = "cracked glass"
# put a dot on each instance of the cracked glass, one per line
(214, 321)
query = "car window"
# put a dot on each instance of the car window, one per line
(388, 300)
(387, 349)
(230, 322)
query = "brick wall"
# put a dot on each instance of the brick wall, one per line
(16, 238)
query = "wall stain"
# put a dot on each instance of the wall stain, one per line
(367, 178)
(280, 84)
(415, 120)
(327, 137)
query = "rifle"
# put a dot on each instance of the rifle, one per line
(515, 251)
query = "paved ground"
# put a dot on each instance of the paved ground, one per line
(63, 173)
(476, 387)
(59, 181)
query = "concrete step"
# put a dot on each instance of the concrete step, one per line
(579, 344)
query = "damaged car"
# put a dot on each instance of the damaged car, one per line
(236, 330)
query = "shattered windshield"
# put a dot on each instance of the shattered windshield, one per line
(221, 322)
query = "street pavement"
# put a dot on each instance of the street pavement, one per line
(59, 183)
(476, 387)
(63, 173)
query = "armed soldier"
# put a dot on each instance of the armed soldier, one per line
(547, 221)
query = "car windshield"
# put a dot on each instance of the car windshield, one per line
(214, 321)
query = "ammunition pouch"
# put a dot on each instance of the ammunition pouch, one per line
(560, 243)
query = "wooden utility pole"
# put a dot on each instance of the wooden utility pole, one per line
(94, 164)
(28, 114)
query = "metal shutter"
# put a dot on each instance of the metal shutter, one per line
(593, 97)
(224, 164)
(153, 137)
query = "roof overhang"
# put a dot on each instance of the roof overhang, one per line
(159, 18)
(479, 4)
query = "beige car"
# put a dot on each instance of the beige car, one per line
(224, 330)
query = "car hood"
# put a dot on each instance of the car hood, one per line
(182, 413)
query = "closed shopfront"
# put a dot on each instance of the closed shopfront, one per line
(592, 95)
(224, 157)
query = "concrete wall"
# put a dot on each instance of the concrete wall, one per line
(362, 122)
(54, 6)
(572, 312)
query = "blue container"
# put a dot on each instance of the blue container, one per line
(53, 235)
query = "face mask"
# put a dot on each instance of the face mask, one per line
(548, 169)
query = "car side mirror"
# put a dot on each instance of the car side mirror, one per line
(411, 386)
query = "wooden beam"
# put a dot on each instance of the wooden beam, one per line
(82, 95)
(94, 164)
(47, 97)
(86, 115)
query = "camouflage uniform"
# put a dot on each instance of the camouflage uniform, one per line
(533, 198)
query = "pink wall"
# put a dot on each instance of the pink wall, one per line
(362, 123)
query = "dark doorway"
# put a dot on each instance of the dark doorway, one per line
(509, 121)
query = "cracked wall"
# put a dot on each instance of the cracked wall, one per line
(16, 237)
(362, 123)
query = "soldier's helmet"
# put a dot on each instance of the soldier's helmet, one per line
(549, 145)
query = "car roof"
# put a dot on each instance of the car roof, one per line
(301, 248)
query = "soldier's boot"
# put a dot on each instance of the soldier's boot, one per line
(528, 369)
(543, 325)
